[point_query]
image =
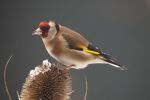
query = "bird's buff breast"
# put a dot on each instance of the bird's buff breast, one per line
(53, 49)
(65, 55)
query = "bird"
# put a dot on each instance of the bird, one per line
(70, 48)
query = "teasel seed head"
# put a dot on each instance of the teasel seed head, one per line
(47, 82)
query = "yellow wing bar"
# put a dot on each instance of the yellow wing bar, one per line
(89, 51)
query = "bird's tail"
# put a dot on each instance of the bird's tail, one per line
(108, 59)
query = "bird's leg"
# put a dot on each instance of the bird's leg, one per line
(67, 68)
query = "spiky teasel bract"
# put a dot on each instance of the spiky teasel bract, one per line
(47, 82)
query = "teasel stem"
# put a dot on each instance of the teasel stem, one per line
(4, 77)
(47, 82)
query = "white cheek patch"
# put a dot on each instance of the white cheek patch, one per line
(52, 31)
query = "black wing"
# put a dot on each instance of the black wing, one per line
(90, 49)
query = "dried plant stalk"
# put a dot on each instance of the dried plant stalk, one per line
(47, 82)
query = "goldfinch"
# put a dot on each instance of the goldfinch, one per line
(70, 48)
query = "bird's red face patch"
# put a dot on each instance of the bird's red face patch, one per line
(44, 26)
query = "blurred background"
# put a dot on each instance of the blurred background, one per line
(118, 27)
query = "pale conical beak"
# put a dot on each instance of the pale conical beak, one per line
(37, 32)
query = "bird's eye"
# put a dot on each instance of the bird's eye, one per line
(44, 26)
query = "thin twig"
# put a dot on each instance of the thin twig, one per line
(86, 88)
(5, 82)
(18, 95)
